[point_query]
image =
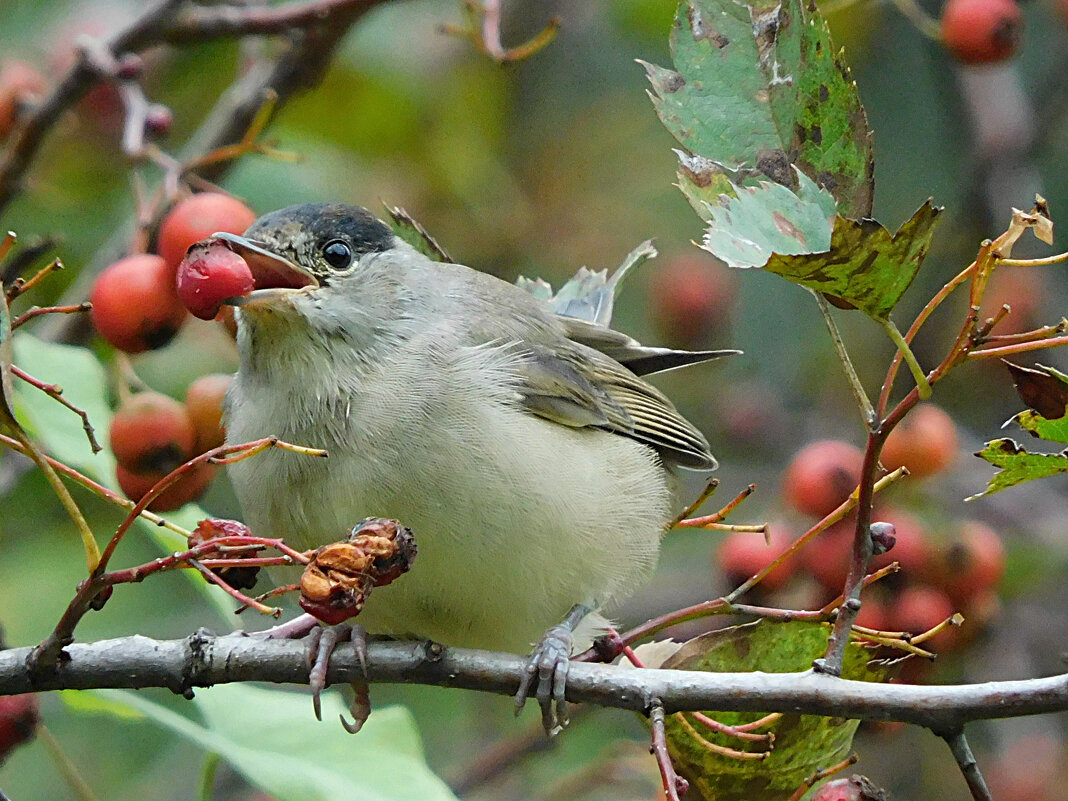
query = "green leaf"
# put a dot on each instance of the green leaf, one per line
(271, 738)
(59, 431)
(746, 230)
(866, 265)
(757, 88)
(802, 742)
(1018, 465)
(787, 233)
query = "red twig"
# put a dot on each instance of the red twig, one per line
(56, 393)
(674, 785)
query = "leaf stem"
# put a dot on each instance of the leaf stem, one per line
(910, 357)
(866, 410)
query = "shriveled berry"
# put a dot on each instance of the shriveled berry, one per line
(203, 401)
(135, 304)
(197, 217)
(151, 433)
(209, 274)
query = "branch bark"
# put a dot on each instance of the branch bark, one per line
(203, 659)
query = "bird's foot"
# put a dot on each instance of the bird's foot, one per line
(549, 664)
(321, 645)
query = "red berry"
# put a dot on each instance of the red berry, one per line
(151, 433)
(187, 488)
(197, 217)
(910, 547)
(874, 613)
(821, 476)
(981, 31)
(827, 556)
(19, 716)
(18, 82)
(743, 554)
(203, 401)
(209, 274)
(973, 563)
(918, 608)
(855, 788)
(135, 304)
(691, 295)
(924, 443)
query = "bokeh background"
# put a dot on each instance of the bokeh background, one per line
(537, 168)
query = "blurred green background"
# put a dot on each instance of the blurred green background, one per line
(537, 168)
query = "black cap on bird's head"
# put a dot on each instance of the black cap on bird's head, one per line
(307, 245)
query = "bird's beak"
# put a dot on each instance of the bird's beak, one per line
(274, 275)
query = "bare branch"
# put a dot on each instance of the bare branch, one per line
(203, 659)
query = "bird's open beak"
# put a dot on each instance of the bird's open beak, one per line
(274, 274)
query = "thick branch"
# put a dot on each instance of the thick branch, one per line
(204, 659)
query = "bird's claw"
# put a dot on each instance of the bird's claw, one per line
(548, 663)
(321, 645)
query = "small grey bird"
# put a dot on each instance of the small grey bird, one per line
(531, 461)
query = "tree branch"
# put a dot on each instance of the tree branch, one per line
(168, 22)
(204, 659)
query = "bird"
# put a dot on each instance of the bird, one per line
(534, 464)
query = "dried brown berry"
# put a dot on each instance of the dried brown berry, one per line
(337, 581)
(240, 578)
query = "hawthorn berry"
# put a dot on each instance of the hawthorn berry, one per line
(197, 217)
(925, 442)
(151, 433)
(187, 488)
(854, 788)
(135, 304)
(19, 716)
(743, 554)
(822, 475)
(918, 608)
(911, 547)
(18, 81)
(981, 31)
(973, 563)
(691, 295)
(203, 403)
(209, 274)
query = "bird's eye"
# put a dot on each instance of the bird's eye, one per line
(338, 254)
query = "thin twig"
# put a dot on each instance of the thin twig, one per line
(55, 392)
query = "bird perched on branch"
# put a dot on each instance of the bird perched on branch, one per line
(521, 446)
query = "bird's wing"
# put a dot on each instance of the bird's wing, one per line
(579, 387)
(638, 358)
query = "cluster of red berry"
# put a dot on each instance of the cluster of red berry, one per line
(151, 434)
(943, 568)
(139, 304)
(136, 303)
